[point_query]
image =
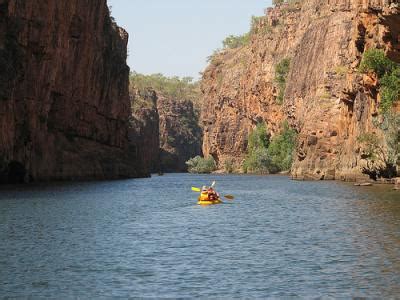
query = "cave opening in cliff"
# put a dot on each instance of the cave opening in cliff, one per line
(16, 172)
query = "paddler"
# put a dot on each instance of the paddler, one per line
(204, 194)
(212, 194)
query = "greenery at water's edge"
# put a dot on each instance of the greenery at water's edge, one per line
(383, 153)
(266, 155)
(201, 165)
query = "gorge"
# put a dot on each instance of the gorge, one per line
(70, 111)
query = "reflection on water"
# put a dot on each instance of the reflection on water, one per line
(148, 238)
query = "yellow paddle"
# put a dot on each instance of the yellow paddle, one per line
(195, 189)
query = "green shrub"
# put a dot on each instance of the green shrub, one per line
(390, 89)
(236, 41)
(382, 154)
(281, 73)
(375, 60)
(228, 165)
(201, 165)
(270, 156)
(278, 2)
(258, 138)
(258, 161)
(282, 147)
(388, 72)
(172, 87)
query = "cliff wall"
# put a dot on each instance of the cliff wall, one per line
(145, 128)
(326, 99)
(169, 108)
(64, 101)
(180, 133)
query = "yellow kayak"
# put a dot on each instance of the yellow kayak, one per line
(208, 202)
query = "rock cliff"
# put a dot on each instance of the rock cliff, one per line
(166, 112)
(326, 99)
(180, 133)
(145, 129)
(64, 100)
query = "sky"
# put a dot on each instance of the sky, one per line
(175, 37)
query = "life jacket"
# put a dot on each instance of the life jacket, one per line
(203, 196)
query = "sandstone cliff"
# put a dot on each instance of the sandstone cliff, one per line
(180, 133)
(64, 101)
(326, 99)
(145, 130)
(166, 112)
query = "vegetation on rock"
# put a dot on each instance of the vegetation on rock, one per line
(282, 147)
(382, 153)
(388, 72)
(289, 2)
(266, 155)
(236, 41)
(201, 165)
(171, 87)
(229, 166)
(281, 73)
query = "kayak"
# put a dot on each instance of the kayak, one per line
(208, 202)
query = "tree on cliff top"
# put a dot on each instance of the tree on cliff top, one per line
(172, 87)
(277, 2)
(236, 41)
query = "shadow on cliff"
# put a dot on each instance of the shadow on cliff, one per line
(13, 173)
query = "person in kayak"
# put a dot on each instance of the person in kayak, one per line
(212, 194)
(204, 194)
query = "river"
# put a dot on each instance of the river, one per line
(148, 238)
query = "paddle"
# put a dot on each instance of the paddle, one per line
(195, 189)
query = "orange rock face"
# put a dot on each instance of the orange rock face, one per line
(64, 101)
(326, 99)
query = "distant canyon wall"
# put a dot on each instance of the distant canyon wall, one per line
(166, 129)
(180, 133)
(64, 99)
(326, 99)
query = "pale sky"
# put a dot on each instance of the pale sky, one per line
(175, 37)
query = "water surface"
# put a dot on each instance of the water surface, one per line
(148, 238)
